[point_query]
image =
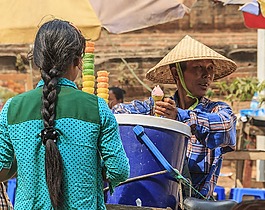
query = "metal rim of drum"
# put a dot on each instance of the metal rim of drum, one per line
(152, 121)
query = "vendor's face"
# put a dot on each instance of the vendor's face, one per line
(112, 99)
(198, 76)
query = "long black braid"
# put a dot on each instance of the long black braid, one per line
(57, 46)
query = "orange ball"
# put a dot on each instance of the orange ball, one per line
(103, 79)
(102, 73)
(102, 85)
(90, 44)
(89, 49)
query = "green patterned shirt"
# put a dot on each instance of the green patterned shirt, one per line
(86, 126)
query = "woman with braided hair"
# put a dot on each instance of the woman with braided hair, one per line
(58, 137)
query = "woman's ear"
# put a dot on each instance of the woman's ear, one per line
(174, 73)
(77, 61)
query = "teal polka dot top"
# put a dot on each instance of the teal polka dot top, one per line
(88, 136)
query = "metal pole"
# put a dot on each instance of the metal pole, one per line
(261, 76)
(261, 55)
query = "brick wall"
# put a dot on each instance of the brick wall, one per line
(220, 27)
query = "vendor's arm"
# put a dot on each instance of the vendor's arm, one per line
(134, 107)
(8, 164)
(111, 149)
(214, 124)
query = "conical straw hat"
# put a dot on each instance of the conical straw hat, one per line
(190, 49)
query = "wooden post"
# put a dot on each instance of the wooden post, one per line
(243, 175)
(246, 181)
(260, 169)
(29, 83)
(240, 163)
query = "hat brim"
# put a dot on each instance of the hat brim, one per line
(189, 49)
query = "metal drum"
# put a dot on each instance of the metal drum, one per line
(171, 138)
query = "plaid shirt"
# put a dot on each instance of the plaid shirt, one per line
(214, 133)
(5, 203)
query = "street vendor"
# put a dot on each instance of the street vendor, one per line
(193, 66)
(116, 95)
(65, 141)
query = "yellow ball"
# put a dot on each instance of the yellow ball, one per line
(88, 90)
(103, 95)
(88, 84)
(88, 78)
(103, 90)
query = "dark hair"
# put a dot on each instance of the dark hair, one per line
(183, 65)
(57, 46)
(118, 92)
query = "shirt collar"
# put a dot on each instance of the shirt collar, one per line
(61, 82)
(202, 100)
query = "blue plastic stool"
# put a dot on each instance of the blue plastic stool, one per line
(220, 191)
(11, 189)
(238, 193)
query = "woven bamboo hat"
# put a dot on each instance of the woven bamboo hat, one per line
(190, 49)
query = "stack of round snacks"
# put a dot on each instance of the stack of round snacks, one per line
(88, 68)
(103, 85)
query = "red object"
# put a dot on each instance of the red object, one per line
(254, 21)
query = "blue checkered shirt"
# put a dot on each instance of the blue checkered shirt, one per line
(214, 134)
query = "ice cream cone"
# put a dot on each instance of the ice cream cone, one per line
(157, 98)
(157, 95)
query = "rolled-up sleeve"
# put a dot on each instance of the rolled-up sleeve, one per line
(216, 127)
(6, 148)
(134, 107)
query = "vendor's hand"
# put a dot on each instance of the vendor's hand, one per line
(166, 108)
